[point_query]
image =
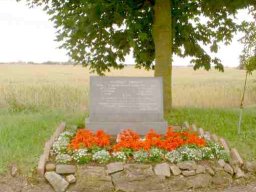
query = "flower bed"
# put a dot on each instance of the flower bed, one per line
(84, 146)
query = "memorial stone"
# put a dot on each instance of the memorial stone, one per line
(118, 103)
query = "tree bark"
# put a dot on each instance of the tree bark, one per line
(162, 35)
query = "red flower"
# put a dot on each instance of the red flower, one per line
(85, 138)
(171, 141)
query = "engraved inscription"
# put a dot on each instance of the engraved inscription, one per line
(128, 96)
(118, 103)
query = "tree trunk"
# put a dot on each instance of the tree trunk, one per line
(162, 35)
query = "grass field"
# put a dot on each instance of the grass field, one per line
(34, 99)
(66, 87)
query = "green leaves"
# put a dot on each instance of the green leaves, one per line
(99, 33)
(250, 65)
(248, 56)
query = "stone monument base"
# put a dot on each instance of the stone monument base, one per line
(113, 128)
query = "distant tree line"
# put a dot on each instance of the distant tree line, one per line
(41, 63)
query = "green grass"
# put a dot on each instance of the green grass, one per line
(22, 135)
(223, 122)
(28, 92)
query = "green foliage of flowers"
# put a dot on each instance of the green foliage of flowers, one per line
(128, 152)
(63, 158)
(95, 149)
(141, 156)
(218, 151)
(60, 147)
(81, 156)
(173, 156)
(62, 142)
(207, 153)
(190, 152)
(119, 156)
(101, 156)
(156, 154)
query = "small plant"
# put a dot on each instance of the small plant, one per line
(82, 156)
(207, 153)
(173, 156)
(67, 134)
(95, 149)
(63, 158)
(61, 144)
(140, 156)
(119, 156)
(156, 154)
(127, 151)
(222, 154)
(102, 156)
(190, 153)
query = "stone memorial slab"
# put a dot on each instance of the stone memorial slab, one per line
(118, 103)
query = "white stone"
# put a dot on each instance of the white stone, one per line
(14, 170)
(236, 156)
(250, 167)
(185, 125)
(50, 167)
(162, 169)
(238, 173)
(201, 132)
(57, 182)
(71, 178)
(187, 165)
(228, 169)
(224, 143)
(65, 169)
(210, 170)
(115, 167)
(221, 163)
(175, 170)
(194, 128)
(200, 169)
(188, 173)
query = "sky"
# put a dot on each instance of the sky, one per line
(26, 34)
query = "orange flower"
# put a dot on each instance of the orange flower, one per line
(130, 139)
(171, 141)
(102, 139)
(85, 138)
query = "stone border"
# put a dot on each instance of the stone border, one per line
(114, 176)
(130, 177)
(236, 158)
(48, 144)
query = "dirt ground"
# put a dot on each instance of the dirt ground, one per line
(21, 184)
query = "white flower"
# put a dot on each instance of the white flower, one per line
(82, 156)
(63, 158)
(119, 156)
(60, 144)
(174, 156)
(140, 156)
(101, 156)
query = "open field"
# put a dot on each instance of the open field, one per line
(66, 87)
(34, 99)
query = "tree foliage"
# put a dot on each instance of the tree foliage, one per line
(100, 33)
(248, 56)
